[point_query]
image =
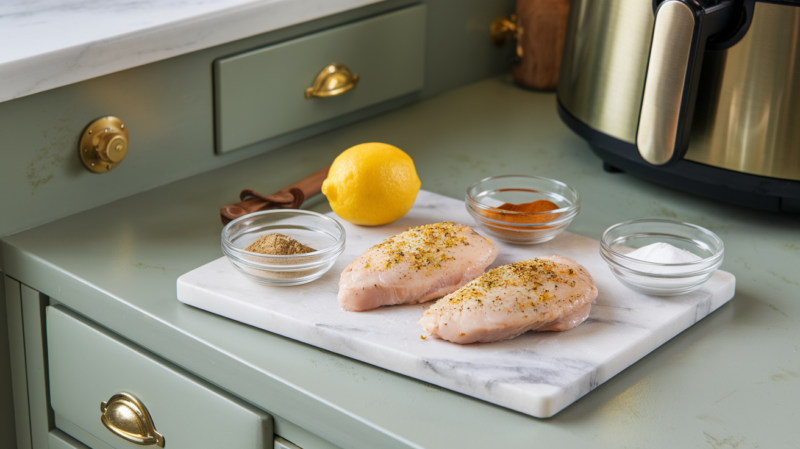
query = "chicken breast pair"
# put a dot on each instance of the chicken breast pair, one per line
(447, 261)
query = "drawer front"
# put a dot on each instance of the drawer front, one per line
(261, 94)
(88, 365)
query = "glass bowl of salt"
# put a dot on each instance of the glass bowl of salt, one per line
(661, 257)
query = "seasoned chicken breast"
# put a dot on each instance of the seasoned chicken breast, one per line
(544, 294)
(421, 264)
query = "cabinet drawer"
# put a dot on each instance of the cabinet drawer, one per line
(88, 365)
(261, 94)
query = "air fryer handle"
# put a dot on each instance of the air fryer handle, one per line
(681, 30)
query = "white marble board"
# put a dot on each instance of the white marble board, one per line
(538, 374)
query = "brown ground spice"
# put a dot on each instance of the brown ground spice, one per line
(278, 245)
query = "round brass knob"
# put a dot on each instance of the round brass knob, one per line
(103, 144)
(114, 150)
(126, 417)
(503, 30)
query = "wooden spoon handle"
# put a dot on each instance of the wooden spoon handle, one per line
(290, 197)
(543, 26)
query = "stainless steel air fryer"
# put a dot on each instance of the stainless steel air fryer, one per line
(700, 95)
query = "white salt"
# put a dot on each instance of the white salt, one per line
(663, 253)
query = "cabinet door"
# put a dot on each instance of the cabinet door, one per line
(89, 365)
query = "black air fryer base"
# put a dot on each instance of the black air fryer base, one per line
(742, 189)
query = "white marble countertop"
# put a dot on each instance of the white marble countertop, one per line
(46, 44)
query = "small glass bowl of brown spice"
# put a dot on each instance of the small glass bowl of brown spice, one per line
(522, 209)
(283, 247)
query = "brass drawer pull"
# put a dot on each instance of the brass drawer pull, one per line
(333, 80)
(129, 419)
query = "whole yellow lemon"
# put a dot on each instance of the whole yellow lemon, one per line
(372, 184)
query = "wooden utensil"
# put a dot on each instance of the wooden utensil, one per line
(538, 28)
(544, 27)
(291, 197)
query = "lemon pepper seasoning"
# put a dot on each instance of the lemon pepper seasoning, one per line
(528, 275)
(425, 247)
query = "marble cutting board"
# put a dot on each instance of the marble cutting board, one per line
(538, 374)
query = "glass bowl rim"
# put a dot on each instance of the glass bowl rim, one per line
(706, 260)
(483, 206)
(333, 249)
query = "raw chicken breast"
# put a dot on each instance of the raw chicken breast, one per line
(545, 294)
(421, 264)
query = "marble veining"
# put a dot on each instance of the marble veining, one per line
(537, 373)
(52, 43)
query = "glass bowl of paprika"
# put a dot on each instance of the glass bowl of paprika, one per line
(522, 209)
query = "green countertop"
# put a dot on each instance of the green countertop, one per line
(731, 380)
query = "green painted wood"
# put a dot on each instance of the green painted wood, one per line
(77, 433)
(299, 435)
(303, 438)
(260, 94)
(168, 108)
(16, 348)
(33, 305)
(60, 440)
(88, 365)
(7, 422)
(281, 443)
(118, 264)
(459, 51)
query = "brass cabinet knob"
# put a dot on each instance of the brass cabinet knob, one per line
(333, 80)
(129, 419)
(503, 30)
(103, 144)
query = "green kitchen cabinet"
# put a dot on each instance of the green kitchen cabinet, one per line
(88, 365)
(259, 94)
(71, 365)
(169, 106)
(33, 416)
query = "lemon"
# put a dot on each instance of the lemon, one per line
(372, 184)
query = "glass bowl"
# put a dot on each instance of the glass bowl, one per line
(485, 196)
(318, 231)
(661, 279)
